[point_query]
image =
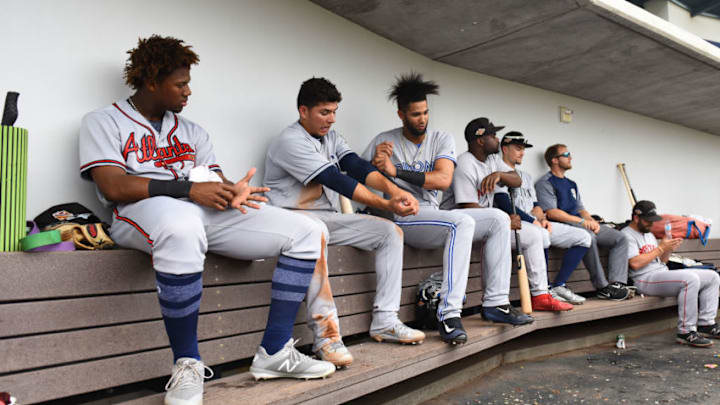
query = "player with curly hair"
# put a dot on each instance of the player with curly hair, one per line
(158, 172)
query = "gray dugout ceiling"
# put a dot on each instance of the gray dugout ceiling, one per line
(606, 51)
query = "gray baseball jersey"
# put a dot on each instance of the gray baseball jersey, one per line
(119, 136)
(294, 159)
(466, 182)
(525, 194)
(466, 189)
(419, 158)
(638, 243)
(696, 289)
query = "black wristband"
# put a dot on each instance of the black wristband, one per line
(170, 188)
(415, 178)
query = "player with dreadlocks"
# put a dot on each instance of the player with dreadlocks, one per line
(158, 172)
(422, 162)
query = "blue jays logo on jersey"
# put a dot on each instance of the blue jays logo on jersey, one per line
(417, 166)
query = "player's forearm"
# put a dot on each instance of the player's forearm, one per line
(379, 182)
(367, 197)
(119, 187)
(510, 179)
(558, 215)
(437, 180)
(643, 259)
(538, 213)
(585, 215)
(126, 190)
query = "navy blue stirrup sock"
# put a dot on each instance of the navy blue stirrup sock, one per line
(570, 261)
(290, 282)
(179, 297)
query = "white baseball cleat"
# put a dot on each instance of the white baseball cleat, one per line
(399, 333)
(185, 386)
(288, 362)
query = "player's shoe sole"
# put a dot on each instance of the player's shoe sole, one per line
(260, 374)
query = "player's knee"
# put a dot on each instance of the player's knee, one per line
(465, 224)
(535, 233)
(501, 220)
(585, 240)
(545, 237)
(714, 279)
(618, 238)
(188, 229)
(692, 280)
(393, 235)
(313, 233)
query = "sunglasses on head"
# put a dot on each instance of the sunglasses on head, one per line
(565, 155)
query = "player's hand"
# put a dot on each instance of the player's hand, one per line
(546, 224)
(404, 204)
(595, 226)
(384, 148)
(384, 164)
(515, 222)
(245, 194)
(211, 194)
(488, 184)
(669, 245)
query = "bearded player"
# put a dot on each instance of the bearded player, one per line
(422, 161)
(141, 154)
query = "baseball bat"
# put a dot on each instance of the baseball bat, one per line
(523, 282)
(345, 205)
(628, 188)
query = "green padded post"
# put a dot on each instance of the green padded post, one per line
(13, 186)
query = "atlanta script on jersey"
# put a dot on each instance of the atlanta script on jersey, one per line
(119, 136)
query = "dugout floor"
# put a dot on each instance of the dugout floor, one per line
(653, 369)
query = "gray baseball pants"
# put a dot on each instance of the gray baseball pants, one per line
(453, 230)
(694, 288)
(565, 236)
(492, 226)
(618, 261)
(369, 233)
(178, 233)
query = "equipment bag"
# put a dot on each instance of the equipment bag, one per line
(682, 227)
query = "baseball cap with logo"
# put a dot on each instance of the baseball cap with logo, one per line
(646, 210)
(515, 138)
(68, 212)
(479, 127)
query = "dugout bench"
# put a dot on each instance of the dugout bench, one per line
(77, 322)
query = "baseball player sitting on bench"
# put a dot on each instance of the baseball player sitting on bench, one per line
(534, 224)
(560, 198)
(140, 152)
(422, 161)
(693, 287)
(303, 171)
(468, 182)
